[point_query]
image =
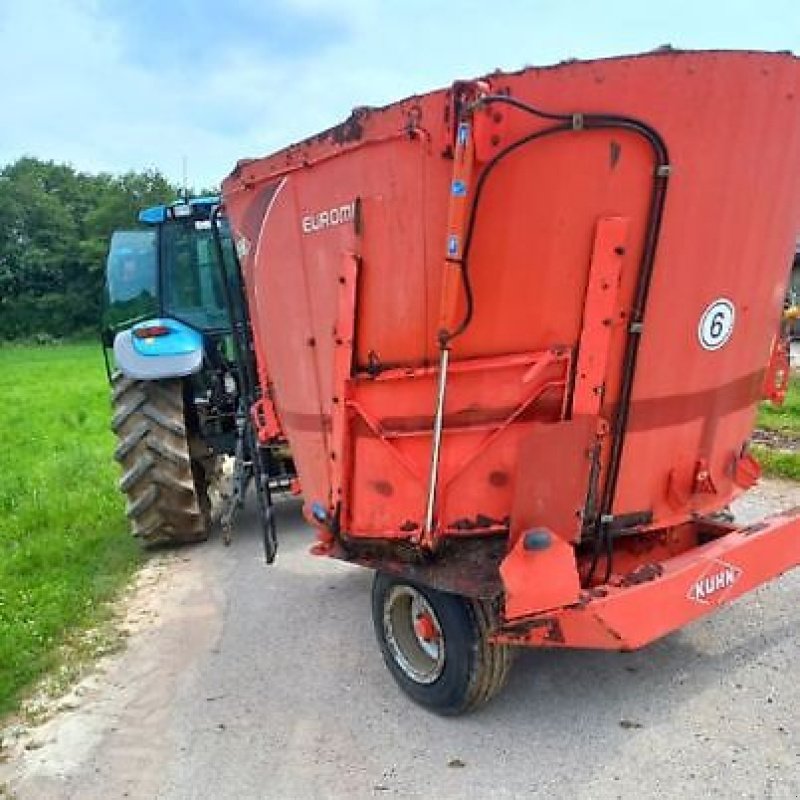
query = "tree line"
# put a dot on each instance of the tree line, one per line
(55, 225)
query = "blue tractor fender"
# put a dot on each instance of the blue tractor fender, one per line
(158, 348)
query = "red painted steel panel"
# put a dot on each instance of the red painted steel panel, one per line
(686, 588)
(377, 189)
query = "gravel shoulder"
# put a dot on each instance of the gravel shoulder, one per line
(242, 681)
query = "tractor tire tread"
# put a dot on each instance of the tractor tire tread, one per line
(142, 503)
(131, 477)
(129, 442)
(126, 410)
(165, 502)
(172, 454)
(120, 385)
(164, 420)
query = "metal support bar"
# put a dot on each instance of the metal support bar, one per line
(436, 447)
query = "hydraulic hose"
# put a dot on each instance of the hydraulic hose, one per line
(577, 122)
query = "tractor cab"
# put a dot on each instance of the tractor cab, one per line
(165, 293)
(184, 376)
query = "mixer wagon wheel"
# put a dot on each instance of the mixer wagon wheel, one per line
(436, 645)
(166, 488)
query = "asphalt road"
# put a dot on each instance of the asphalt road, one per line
(243, 681)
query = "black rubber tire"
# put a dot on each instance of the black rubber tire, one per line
(164, 486)
(474, 670)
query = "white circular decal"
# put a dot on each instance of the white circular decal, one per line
(716, 324)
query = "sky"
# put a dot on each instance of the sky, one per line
(118, 85)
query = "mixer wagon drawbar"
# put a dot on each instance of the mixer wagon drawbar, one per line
(515, 332)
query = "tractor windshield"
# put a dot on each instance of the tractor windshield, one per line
(191, 278)
(132, 277)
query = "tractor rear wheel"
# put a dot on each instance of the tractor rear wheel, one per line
(165, 487)
(436, 645)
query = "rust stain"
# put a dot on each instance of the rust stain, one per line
(351, 130)
(383, 488)
(498, 478)
(643, 574)
(614, 152)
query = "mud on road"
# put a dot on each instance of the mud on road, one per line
(242, 681)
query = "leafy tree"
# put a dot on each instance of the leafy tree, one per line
(55, 224)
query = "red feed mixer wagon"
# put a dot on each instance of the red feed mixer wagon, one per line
(515, 332)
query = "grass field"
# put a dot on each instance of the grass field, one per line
(64, 547)
(785, 418)
(785, 422)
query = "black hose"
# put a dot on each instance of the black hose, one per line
(448, 336)
(577, 122)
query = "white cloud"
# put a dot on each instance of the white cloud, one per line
(71, 91)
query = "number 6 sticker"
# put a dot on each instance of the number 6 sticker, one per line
(716, 324)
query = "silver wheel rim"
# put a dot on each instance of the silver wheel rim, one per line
(405, 611)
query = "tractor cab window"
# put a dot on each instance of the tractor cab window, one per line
(191, 276)
(132, 277)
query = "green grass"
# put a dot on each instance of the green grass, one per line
(778, 463)
(783, 419)
(64, 547)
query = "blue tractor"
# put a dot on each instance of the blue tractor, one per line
(179, 353)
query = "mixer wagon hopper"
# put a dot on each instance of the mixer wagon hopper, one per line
(515, 332)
